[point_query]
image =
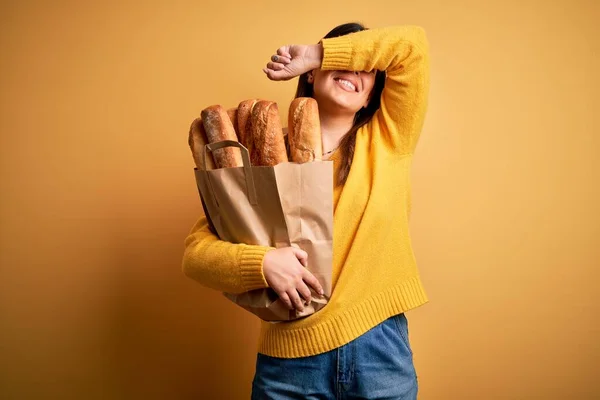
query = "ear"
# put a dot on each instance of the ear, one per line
(310, 77)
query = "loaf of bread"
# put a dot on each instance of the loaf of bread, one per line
(304, 131)
(268, 143)
(218, 127)
(232, 113)
(244, 120)
(197, 140)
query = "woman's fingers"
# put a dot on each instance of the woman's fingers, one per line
(275, 66)
(304, 292)
(281, 58)
(312, 281)
(296, 297)
(277, 63)
(284, 51)
(301, 255)
(286, 273)
(282, 75)
(276, 70)
(286, 300)
(296, 300)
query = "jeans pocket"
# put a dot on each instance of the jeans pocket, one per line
(402, 327)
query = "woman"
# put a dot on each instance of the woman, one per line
(371, 87)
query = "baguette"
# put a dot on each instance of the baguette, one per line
(269, 146)
(197, 140)
(232, 113)
(244, 121)
(304, 136)
(218, 127)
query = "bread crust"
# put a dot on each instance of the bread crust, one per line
(244, 121)
(197, 140)
(232, 113)
(269, 146)
(304, 131)
(218, 127)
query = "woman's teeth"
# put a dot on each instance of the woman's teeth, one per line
(348, 84)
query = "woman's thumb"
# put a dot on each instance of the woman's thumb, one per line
(301, 255)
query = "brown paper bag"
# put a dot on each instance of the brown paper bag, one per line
(286, 205)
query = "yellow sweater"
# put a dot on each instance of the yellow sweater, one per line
(374, 271)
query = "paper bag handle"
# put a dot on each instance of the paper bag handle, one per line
(250, 188)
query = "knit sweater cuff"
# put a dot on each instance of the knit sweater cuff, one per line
(251, 267)
(337, 53)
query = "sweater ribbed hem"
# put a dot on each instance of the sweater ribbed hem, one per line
(251, 267)
(343, 326)
(337, 53)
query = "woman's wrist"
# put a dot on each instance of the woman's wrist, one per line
(316, 55)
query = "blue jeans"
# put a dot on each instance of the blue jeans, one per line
(376, 365)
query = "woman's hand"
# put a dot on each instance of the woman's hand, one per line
(285, 272)
(294, 60)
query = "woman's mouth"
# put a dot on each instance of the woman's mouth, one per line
(345, 84)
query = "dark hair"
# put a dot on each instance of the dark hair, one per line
(362, 117)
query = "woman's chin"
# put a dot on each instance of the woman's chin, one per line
(337, 105)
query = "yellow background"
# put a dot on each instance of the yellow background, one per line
(97, 194)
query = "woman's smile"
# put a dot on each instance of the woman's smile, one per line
(346, 85)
